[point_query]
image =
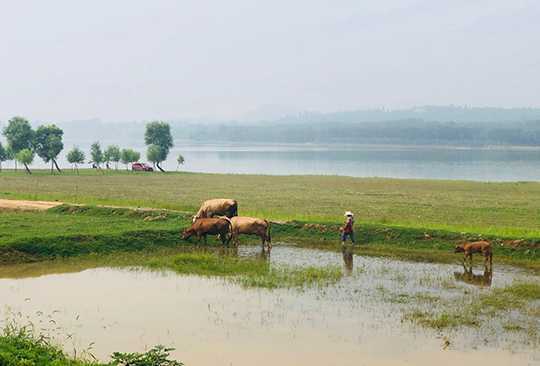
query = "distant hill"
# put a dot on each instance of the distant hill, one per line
(448, 125)
(425, 113)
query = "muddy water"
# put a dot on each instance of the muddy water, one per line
(213, 322)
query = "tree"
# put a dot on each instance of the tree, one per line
(25, 157)
(128, 156)
(75, 156)
(135, 156)
(96, 154)
(48, 144)
(10, 155)
(180, 160)
(19, 134)
(159, 134)
(154, 154)
(112, 154)
(3, 155)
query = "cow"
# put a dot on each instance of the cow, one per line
(213, 226)
(251, 226)
(483, 247)
(217, 207)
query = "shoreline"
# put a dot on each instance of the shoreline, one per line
(162, 230)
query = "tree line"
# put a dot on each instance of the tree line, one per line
(24, 143)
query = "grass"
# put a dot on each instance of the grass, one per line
(67, 231)
(518, 298)
(20, 346)
(247, 272)
(499, 209)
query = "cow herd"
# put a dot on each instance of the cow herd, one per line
(220, 217)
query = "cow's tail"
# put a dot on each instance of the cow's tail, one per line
(268, 237)
(234, 209)
(230, 227)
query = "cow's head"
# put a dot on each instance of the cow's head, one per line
(195, 218)
(459, 248)
(187, 233)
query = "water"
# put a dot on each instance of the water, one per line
(509, 164)
(482, 164)
(214, 322)
(365, 161)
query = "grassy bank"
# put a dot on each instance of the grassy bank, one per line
(21, 346)
(68, 231)
(498, 209)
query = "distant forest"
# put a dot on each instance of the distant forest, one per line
(426, 125)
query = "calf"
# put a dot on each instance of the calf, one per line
(483, 247)
(213, 226)
(251, 226)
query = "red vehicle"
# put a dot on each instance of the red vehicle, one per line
(141, 167)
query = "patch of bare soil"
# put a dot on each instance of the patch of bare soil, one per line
(27, 205)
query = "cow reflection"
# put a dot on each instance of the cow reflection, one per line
(228, 251)
(347, 260)
(264, 254)
(468, 276)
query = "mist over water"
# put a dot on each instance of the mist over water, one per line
(423, 162)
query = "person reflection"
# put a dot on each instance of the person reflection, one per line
(347, 260)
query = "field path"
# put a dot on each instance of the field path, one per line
(28, 205)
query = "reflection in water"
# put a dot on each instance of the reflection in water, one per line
(468, 276)
(263, 254)
(348, 261)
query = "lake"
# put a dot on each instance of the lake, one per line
(426, 162)
(422, 162)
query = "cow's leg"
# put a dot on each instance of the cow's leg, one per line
(236, 237)
(268, 241)
(205, 239)
(225, 239)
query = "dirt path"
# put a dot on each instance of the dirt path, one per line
(27, 205)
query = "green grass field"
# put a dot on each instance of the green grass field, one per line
(500, 209)
(393, 216)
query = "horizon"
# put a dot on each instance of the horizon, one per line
(308, 113)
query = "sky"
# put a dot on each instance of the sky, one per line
(127, 60)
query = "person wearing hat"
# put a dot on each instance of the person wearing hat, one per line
(347, 231)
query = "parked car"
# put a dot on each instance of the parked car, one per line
(141, 167)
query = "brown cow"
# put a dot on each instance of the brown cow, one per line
(217, 207)
(482, 246)
(213, 226)
(251, 226)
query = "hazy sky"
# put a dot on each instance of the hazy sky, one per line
(137, 60)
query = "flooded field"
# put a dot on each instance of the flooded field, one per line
(367, 318)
